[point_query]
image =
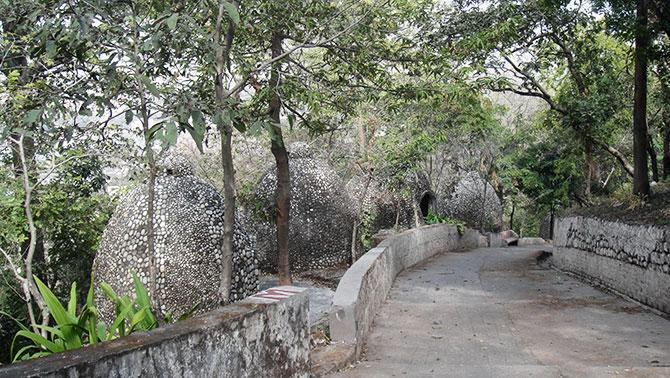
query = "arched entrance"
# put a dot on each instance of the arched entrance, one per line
(427, 203)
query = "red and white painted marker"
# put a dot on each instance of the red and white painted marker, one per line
(276, 294)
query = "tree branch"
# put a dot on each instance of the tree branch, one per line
(621, 158)
(576, 75)
(266, 64)
(544, 94)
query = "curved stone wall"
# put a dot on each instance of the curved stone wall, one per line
(364, 287)
(633, 260)
(244, 339)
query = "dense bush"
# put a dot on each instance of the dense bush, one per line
(71, 211)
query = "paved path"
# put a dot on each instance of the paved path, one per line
(494, 312)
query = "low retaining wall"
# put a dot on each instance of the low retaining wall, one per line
(266, 335)
(364, 287)
(630, 259)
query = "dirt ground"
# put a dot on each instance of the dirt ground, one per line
(656, 210)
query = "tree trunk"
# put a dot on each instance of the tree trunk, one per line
(641, 178)
(630, 170)
(397, 214)
(551, 223)
(653, 158)
(151, 194)
(283, 194)
(588, 166)
(664, 79)
(482, 217)
(362, 142)
(359, 222)
(511, 216)
(151, 162)
(39, 258)
(226, 133)
(29, 285)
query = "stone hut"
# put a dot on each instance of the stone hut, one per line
(321, 220)
(471, 199)
(188, 228)
(383, 208)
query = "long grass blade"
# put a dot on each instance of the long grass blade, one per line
(72, 305)
(40, 340)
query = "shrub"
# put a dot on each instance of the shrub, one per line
(433, 218)
(72, 330)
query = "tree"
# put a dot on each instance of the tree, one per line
(640, 142)
(222, 67)
(42, 72)
(286, 81)
(536, 48)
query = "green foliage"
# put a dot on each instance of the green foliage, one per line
(14, 308)
(624, 196)
(433, 218)
(72, 330)
(262, 211)
(542, 166)
(72, 211)
(13, 226)
(365, 236)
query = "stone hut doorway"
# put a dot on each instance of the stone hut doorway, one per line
(427, 203)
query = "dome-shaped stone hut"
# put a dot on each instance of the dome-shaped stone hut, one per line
(383, 208)
(321, 218)
(380, 208)
(473, 200)
(188, 229)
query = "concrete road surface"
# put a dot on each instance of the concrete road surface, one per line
(493, 312)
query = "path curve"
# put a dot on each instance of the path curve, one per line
(493, 312)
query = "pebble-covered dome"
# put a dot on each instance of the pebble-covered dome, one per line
(383, 207)
(380, 207)
(188, 227)
(321, 218)
(466, 203)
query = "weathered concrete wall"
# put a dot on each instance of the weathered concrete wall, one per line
(256, 337)
(630, 259)
(364, 287)
(531, 241)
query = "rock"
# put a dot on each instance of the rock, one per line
(495, 240)
(483, 241)
(545, 228)
(509, 234)
(383, 208)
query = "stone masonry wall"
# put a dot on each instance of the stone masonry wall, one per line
(631, 259)
(266, 335)
(364, 287)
